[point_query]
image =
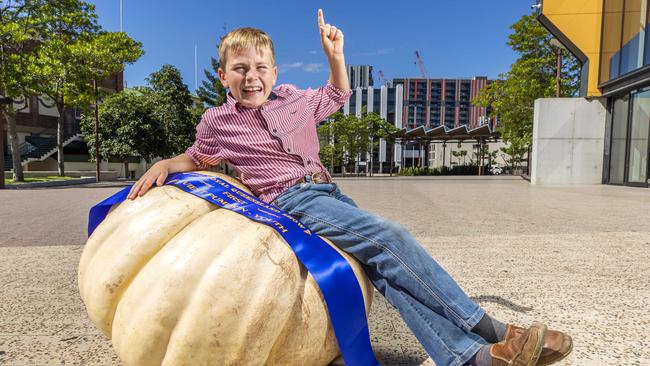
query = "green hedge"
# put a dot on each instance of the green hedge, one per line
(456, 170)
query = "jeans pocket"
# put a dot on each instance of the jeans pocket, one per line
(334, 190)
(279, 200)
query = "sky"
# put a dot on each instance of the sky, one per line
(455, 38)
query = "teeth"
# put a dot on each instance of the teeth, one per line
(253, 89)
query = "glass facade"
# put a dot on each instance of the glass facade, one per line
(633, 36)
(353, 104)
(390, 115)
(465, 92)
(618, 138)
(376, 100)
(625, 46)
(638, 142)
(629, 150)
(611, 41)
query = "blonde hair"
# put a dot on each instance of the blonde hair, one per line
(242, 39)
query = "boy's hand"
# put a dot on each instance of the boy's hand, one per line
(156, 174)
(330, 37)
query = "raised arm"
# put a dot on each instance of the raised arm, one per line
(332, 41)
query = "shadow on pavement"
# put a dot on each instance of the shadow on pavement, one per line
(501, 301)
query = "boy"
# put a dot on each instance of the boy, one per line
(269, 135)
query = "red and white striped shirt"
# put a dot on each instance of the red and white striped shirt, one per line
(272, 146)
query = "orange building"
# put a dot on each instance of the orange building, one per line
(611, 40)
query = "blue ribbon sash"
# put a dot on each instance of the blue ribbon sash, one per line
(331, 271)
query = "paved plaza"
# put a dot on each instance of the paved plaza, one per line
(574, 257)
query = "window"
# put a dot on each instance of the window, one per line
(638, 151)
(625, 45)
(634, 19)
(611, 42)
(619, 135)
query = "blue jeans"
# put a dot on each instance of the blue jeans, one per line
(434, 307)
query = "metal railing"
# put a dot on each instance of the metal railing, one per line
(25, 148)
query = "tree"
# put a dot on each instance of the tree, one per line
(359, 138)
(390, 141)
(172, 108)
(353, 140)
(56, 72)
(372, 125)
(377, 128)
(516, 149)
(211, 91)
(127, 128)
(78, 54)
(334, 140)
(157, 120)
(483, 152)
(98, 56)
(343, 137)
(460, 154)
(24, 26)
(532, 76)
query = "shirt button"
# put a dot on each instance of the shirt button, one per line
(288, 150)
(275, 130)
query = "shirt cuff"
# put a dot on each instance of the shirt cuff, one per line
(194, 155)
(337, 95)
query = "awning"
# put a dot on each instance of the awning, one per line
(441, 133)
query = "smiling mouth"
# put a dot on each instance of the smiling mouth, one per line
(252, 89)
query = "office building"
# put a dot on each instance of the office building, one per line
(442, 102)
(603, 135)
(360, 76)
(387, 102)
(452, 110)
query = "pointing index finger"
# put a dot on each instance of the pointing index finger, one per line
(321, 20)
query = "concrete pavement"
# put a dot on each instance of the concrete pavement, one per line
(575, 257)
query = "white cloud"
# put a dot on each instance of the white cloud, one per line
(291, 66)
(313, 52)
(313, 67)
(301, 66)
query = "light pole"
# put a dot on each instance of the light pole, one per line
(97, 161)
(558, 67)
(3, 101)
(444, 148)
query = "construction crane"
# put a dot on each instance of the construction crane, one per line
(420, 64)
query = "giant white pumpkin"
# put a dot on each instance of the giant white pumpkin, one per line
(173, 279)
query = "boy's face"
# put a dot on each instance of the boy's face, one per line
(250, 75)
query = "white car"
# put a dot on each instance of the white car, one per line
(496, 170)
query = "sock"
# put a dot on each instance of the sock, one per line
(490, 329)
(481, 358)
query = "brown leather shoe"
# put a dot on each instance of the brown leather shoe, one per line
(521, 349)
(557, 345)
